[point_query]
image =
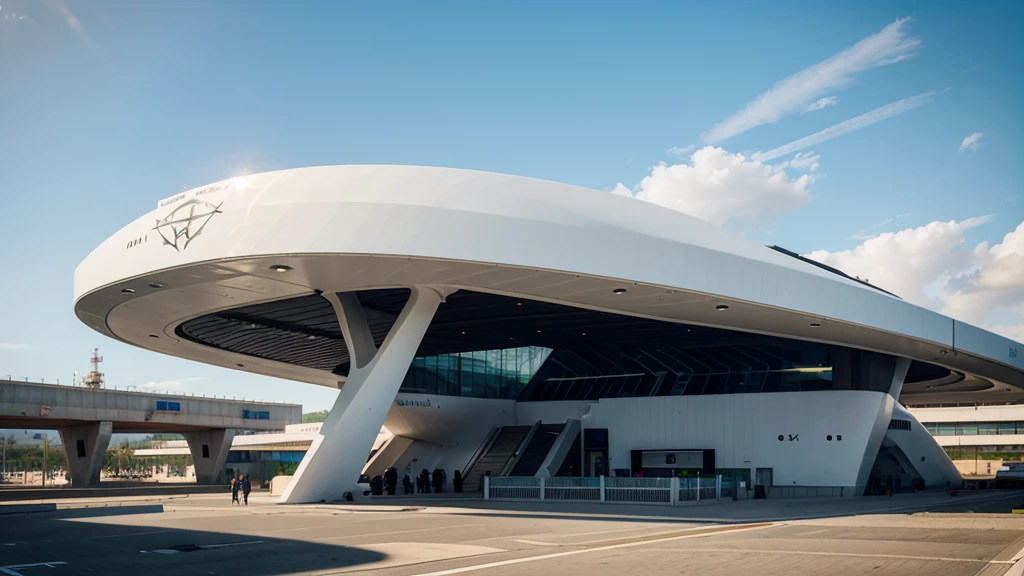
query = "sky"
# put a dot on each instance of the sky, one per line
(884, 138)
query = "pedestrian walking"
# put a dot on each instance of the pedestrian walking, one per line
(246, 488)
(234, 491)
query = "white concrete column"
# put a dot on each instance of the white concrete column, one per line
(881, 425)
(332, 464)
(209, 450)
(85, 446)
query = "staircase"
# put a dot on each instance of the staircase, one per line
(537, 451)
(496, 458)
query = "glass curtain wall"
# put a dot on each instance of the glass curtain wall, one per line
(480, 374)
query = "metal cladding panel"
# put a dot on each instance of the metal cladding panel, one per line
(985, 344)
(743, 429)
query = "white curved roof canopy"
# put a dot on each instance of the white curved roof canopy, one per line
(359, 227)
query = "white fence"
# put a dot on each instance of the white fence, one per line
(670, 491)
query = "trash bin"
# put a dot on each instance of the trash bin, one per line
(759, 493)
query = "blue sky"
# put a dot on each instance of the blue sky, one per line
(106, 107)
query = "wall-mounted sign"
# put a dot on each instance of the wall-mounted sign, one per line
(420, 403)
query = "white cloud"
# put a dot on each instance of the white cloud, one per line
(795, 92)
(716, 185)
(621, 190)
(680, 151)
(866, 119)
(971, 142)
(931, 266)
(820, 104)
(13, 346)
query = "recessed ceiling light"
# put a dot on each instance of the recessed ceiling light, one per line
(463, 331)
(721, 307)
(127, 291)
(311, 337)
(815, 325)
(538, 331)
(519, 303)
(943, 352)
(241, 365)
(619, 291)
(584, 333)
(155, 285)
(280, 268)
(153, 336)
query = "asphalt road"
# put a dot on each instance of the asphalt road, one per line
(199, 535)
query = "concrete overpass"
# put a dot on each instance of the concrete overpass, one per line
(85, 419)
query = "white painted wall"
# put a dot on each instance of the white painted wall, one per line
(448, 420)
(527, 413)
(924, 453)
(743, 430)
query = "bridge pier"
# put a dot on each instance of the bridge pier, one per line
(209, 450)
(85, 446)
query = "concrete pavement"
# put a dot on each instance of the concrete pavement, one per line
(203, 534)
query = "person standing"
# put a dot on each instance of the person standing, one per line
(234, 491)
(246, 488)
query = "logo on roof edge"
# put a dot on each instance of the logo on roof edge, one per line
(186, 222)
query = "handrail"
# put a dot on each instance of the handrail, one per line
(511, 464)
(481, 450)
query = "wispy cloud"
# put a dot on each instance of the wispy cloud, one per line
(176, 385)
(864, 120)
(808, 161)
(976, 221)
(14, 346)
(680, 150)
(820, 104)
(61, 9)
(868, 233)
(971, 142)
(795, 92)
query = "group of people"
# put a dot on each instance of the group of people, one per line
(424, 483)
(240, 484)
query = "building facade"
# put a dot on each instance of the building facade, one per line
(511, 326)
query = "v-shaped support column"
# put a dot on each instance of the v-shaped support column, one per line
(332, 465)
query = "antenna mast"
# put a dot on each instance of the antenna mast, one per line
(95, 377)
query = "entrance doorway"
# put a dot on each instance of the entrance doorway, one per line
(597, 463)
(763, 477)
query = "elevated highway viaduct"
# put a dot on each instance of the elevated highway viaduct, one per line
(86, 418)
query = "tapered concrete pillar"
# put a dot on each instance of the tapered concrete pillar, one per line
(209, 450)
(85, 446)
(334, 460)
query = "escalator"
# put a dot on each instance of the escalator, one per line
(537, 450)
(496, 458)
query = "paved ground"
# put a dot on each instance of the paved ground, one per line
(198, 534)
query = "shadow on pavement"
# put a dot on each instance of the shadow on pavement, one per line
(73, 546)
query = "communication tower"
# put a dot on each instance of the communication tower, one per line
(95, 377)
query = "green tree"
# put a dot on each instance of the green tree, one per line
(310, 417)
